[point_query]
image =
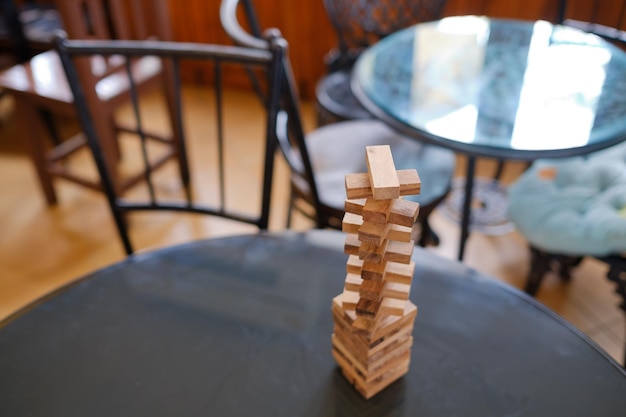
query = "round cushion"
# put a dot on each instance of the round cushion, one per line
(573, 206)
(339, 149)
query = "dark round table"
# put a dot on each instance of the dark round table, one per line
(241, 326)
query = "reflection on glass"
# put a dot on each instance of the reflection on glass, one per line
(561, 87)
(499, 83)
(444, 86)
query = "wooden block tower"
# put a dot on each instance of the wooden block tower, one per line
(373, 317)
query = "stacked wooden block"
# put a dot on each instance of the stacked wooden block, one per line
(373, 316)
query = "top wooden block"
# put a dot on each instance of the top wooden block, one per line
(358, 185)
(382, 172)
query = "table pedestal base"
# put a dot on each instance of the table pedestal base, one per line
(488, 209)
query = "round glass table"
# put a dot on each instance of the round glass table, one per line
(498, 88)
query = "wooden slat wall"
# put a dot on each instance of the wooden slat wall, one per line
(305, 25)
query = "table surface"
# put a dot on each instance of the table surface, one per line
(242, 325)
(497, 87)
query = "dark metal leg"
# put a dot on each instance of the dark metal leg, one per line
(467, 204)
(290, 207)
(499, 170)
(617, 274)
(539, 265)
(428, 235)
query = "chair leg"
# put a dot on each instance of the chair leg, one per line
(290, 207)
(35, 131)
(542, 261)
(428, 235)
(499, 169)
(617, 274)
(539, 265)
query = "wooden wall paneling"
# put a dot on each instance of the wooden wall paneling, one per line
(306, 27)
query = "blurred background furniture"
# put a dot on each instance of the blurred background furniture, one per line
(320, 159)
(358, 25)
(227, 327)
(216, 198)
(576, 207)
(26, 29)
(571, 208)
(505, 89)
(39, 87)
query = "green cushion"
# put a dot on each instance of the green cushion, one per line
(573, 206)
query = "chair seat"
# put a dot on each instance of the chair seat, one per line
(335, 100)
(31, 80)
(332, 159)
(574, 206)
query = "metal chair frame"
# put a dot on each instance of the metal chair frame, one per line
(172, 54)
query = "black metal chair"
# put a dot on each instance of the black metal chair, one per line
(359, 24)
(214, 194)
(320, 159)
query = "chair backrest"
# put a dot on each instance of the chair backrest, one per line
(115, 19)
(359, 23)
(213, 153)
(603, 18)
(289, 130)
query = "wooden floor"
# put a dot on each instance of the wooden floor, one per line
(42, 248)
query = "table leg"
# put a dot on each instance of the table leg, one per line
(467, 204)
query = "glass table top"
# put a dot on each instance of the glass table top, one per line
(498, 87)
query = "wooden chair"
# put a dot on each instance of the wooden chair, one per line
(320, 159)
(216, 195)
(40, 86)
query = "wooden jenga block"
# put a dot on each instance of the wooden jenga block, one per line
(370, 308)
(353, 282)
(400, 273)
(400, 233)
(371, 290)
(355, 206)
(398, 251)
(343, 318)
(404, 212)
(351, 223)
(352, 245)
(372, 387)
(382, 382)
(365, 324)
(371, 252)
(396, 291)
(382, 172)
(374, 271)
(389, 324)
(358, 186)
(349, 300)
(374, 233)
(354, 265)
(395, 336)
(372, 368)
(392, 306)
(376, 290)
(409, 180)
(376, 211)
(367, 351)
